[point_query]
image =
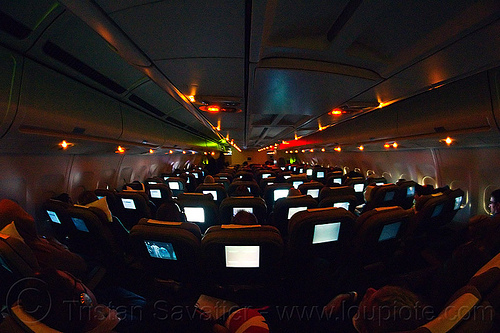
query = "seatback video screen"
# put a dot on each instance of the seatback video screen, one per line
(320, 174)
(160, 250)
(314, 192)
(173, 185)
(344, 205)
(359, 187)
(128, 203)
(458, 202)
(337, 181)
(293, 210)
(278, 194)
(213, 193)
(155, 193)
(242, 256)
(389, 231)
(79, 224)
(53, 217)
(325, 233)
(296, 184)
(195, 214)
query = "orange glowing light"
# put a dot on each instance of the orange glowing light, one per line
(395, 145)
(65, 144)
(361, 147)
(311, 150)
(191, 98)
(120, 150)
(336, 112)
(213, 108)
(184, 152)
(323, 150)
(151, 151)
(337, 149)
(448, 141)
(193, 152)
(171, 152)
(296, 151)
(387, 145)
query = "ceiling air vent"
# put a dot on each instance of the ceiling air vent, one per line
(13, 27)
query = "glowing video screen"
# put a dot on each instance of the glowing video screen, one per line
(320, 174)
(390, 231)
(242, 256)
(128, 203)
(213, 193)
(160, 250)
(458, 202)
(337, 181)
(344, 205)
(278, 194)
(246, 209)
(359, 187)
(266, 175)
(314, 192)
(309, 172)
(155, 193)
(325, 233)
(293, 210)
(53, 217)
(79, 224)
(296, 184)
(195, 214)
(410, 191)
(173, 185)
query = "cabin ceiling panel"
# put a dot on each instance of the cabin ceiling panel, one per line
(81, 42)
(282, 91)
(185, 29)
(206, 76)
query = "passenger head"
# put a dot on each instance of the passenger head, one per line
(86, 197)
(244, 217)
(495, 202)
(64, 197)
(242, 191)
(209, 180)
(389, 309)
(293, 192)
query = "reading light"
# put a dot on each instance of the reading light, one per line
(361, 147)
(387, 146)
(171, 152)
(151, 151)
(303, 150)
(213, 108)
(193, 152)
(337, 149)
(395, 145)
(65, 144)
(213, 153)
(311, 150)
(336, 112)
(296, 151)
(448, 141)
(323, 150)
(184, 152)
(191, 98)
(120, 150)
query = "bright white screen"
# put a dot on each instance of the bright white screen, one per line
(344, 205)
(213, 193)
(359, 187)
(243, 256)
(128, 203)
(155, 193)
(293, 210)
(297, 184)
(195, 175)
(458, 201)
(160, 250)
(320, 174)
(287, 176)
(280, 194)
(324, 233)
(53, 217)
(246, 209)
(173, 185)
(313, 192)
(266, 175)
(79, 224)
(337, 180)
(309, 172)
(390, 231)
(379, 184)
(195, 214)
(410, 191)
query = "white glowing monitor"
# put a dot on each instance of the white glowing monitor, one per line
(282, 193)
(301, 170)
(213, 193)
(173, 185)
(410, 191)
(325, 233)
(246, 209)
(314, 192)
(287, 176)
(309, 172)
(359, 187)
(195, 175)
(242, 256)
(320, 174)
(344, 205)
(293, 210)
(160, 250)
(128, 203)
(266, 175)
(155, 193)
(337, 180)
(297, 184)
(53, 217)
(195, 214)
(390, 231)
(458, 202)
(379, 183)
